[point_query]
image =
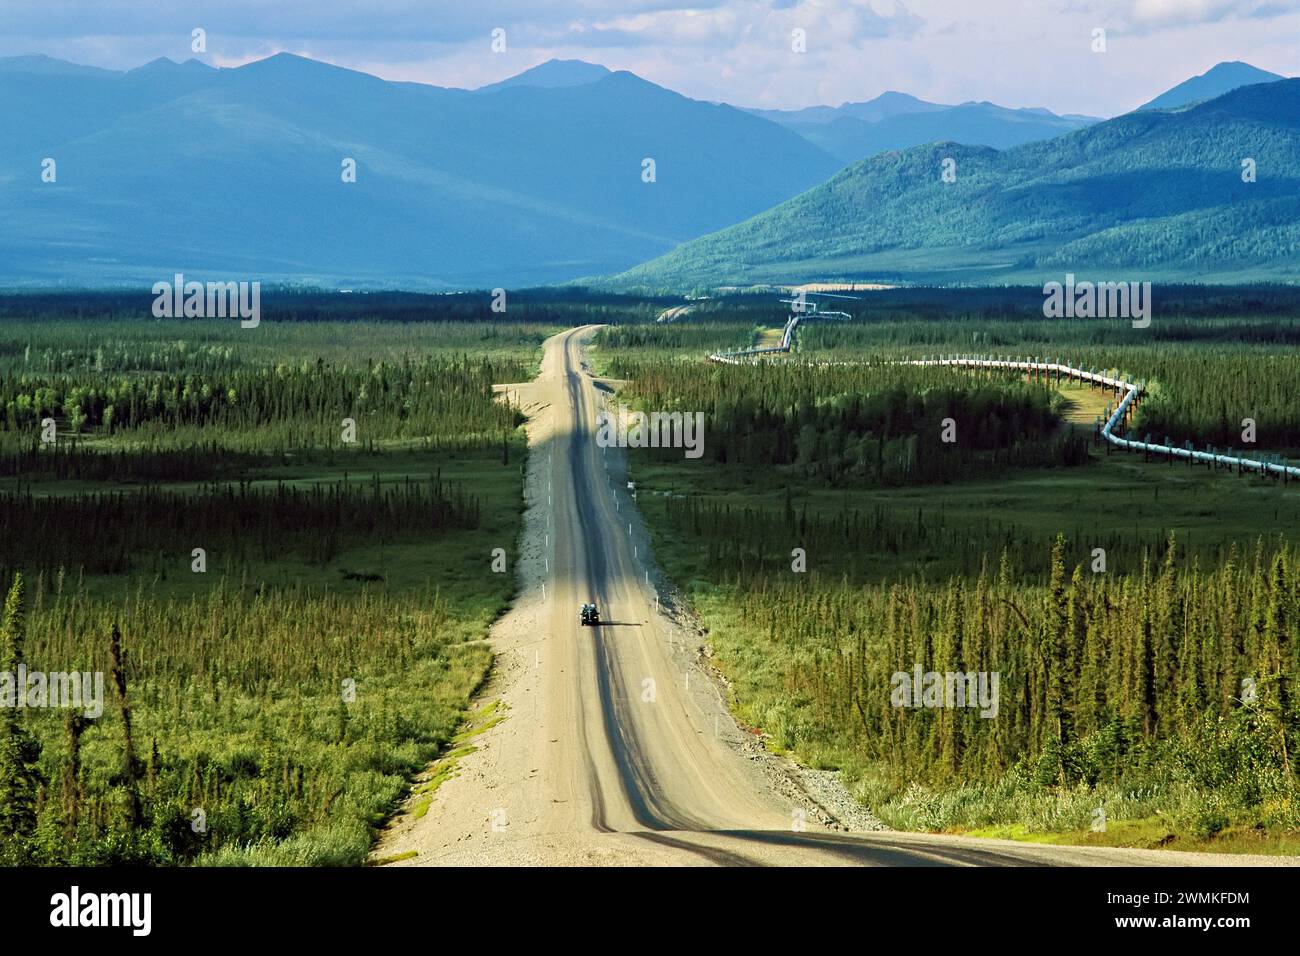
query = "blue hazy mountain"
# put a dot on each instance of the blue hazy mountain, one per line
(1223, 78)
(887, 104)
(551, 74)
(237, 173)
(1151, 194)
(855, 131)
(49, 66)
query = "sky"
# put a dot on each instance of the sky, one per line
(1017, 53)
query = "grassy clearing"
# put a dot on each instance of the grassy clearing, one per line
(447, 764)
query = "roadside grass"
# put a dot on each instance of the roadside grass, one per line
(1152, 833)
(1157, 818)
(487, 717)
(400, 718)
(446, 765)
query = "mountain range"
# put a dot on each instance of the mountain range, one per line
(182, 167)
(1153, 193)
(563, 171)
(895, 120)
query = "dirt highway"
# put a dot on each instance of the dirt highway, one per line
(615, 748)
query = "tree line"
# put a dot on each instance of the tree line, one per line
(853, 424)
(1179, 671)
(107, 532)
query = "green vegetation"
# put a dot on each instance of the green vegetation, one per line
(275, 707)
(1109, 688)
(1207, 374)
(842, 424)
(1160, 689)
(267, 699)
(1214, 356)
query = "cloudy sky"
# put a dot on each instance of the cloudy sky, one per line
(1013, 52)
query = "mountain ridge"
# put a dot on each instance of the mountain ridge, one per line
(1157, 192)
(1219, 79)
(533, 181)
(526, 185)
(894, 120)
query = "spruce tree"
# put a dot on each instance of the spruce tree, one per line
(134, 814)
(20, 778)
(1055, 656)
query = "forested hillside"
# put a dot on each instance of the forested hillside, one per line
(1146, 195)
